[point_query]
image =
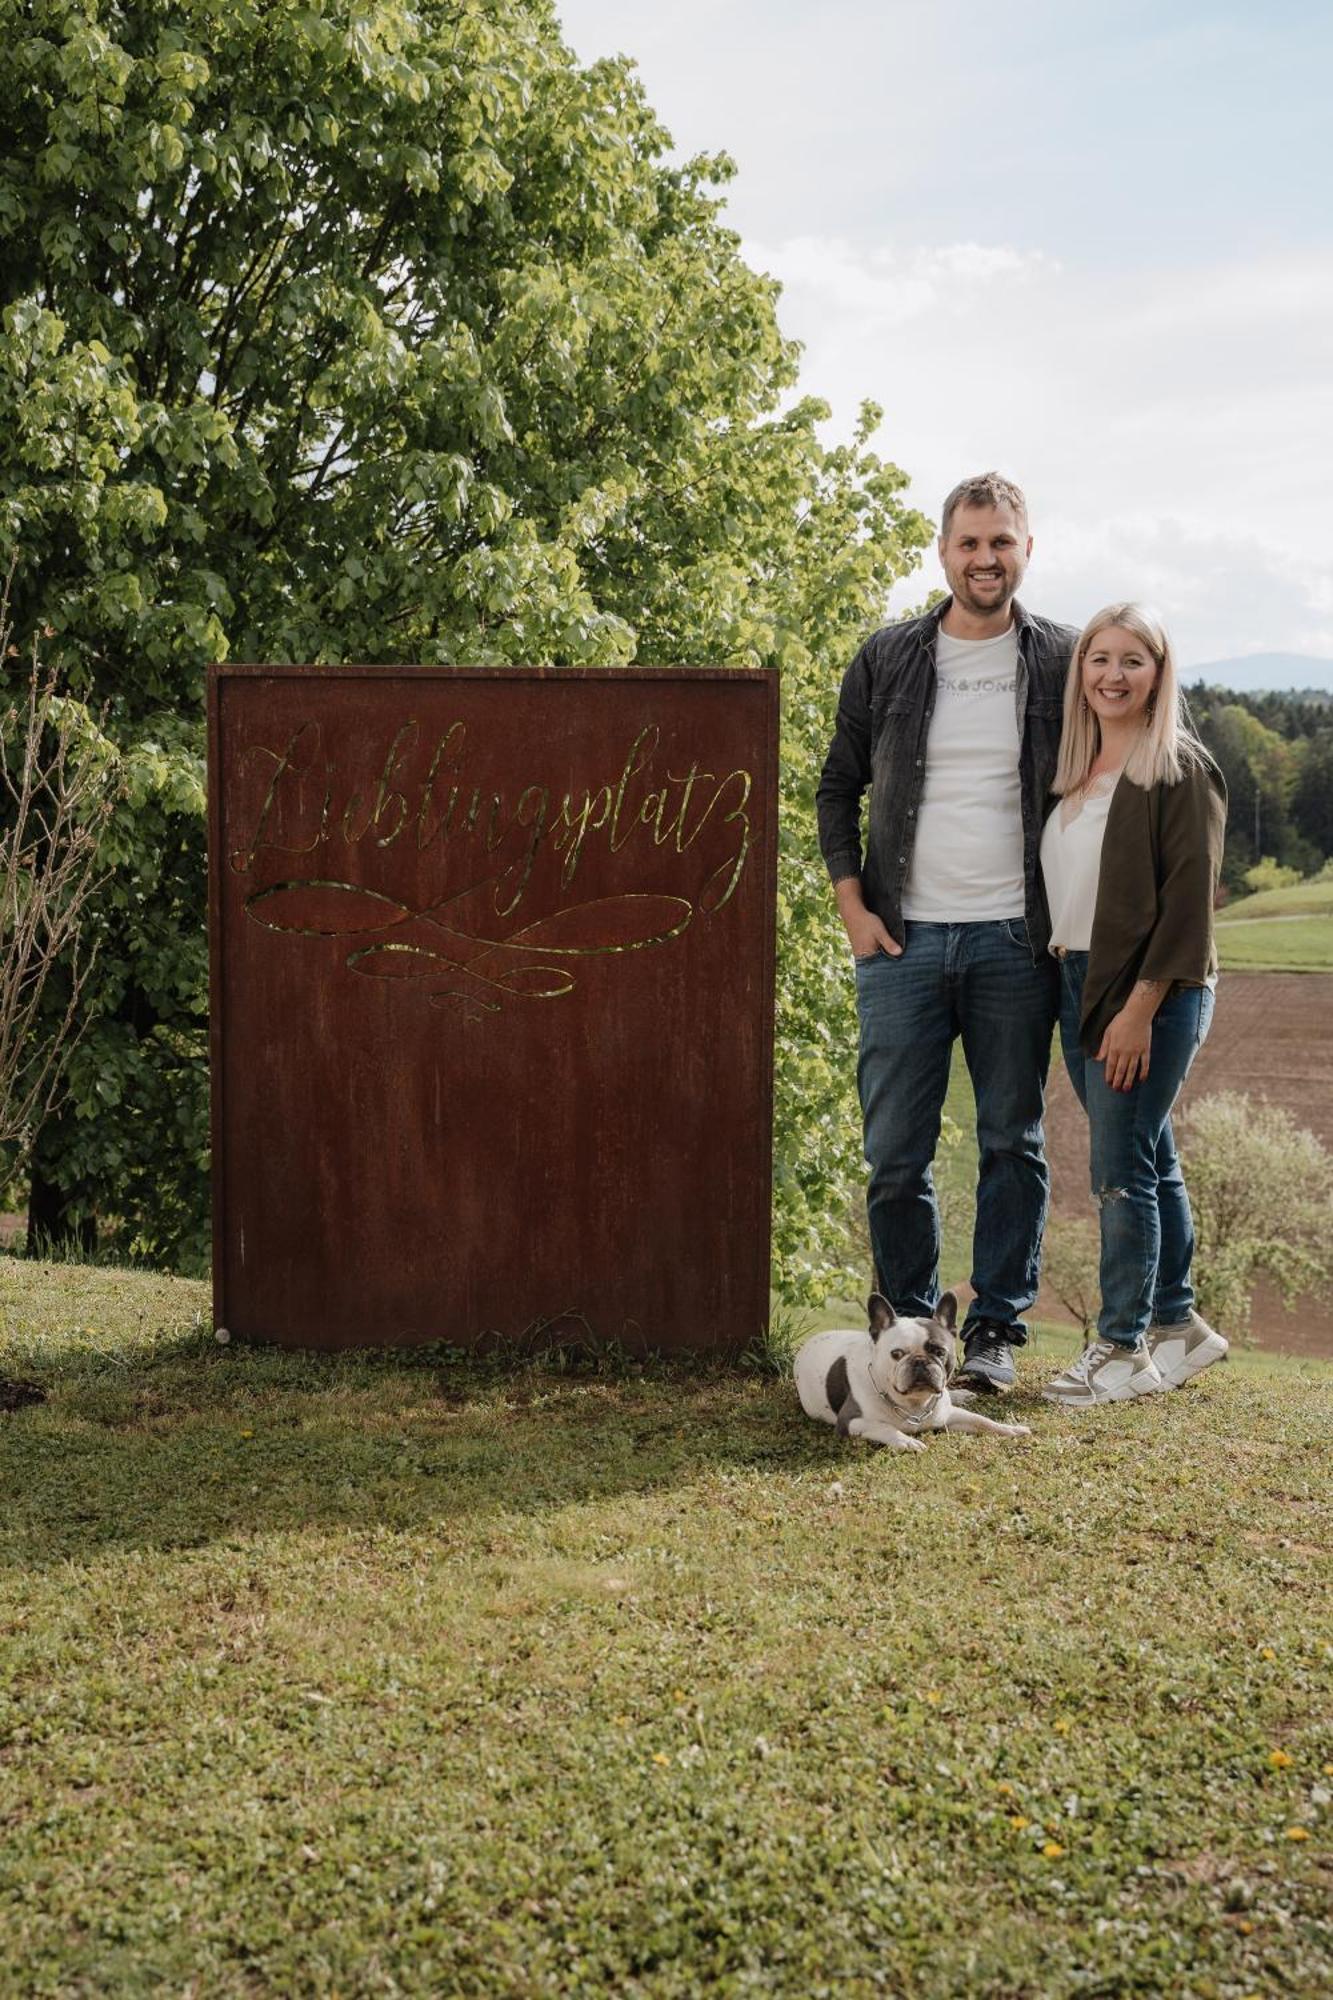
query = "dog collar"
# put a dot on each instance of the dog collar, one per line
(917, 1418)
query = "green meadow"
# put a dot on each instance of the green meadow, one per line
(1277, 944)
(395, 1674)
(1280, 930)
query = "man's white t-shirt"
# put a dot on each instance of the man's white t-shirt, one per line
(967, 861)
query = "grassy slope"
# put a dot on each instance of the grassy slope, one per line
(366, 1676)
(1301, 942)
(1302, 899)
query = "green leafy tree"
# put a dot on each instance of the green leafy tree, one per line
(1312, 800)
(1260, 769)
(353, 329)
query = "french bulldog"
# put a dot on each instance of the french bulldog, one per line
(892, 1382)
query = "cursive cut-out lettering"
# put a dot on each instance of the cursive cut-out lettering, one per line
(476, 934)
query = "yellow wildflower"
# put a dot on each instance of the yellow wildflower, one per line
(1019, 1820)
(1298, 1833)
(1279, 1759)
(1052, 1850)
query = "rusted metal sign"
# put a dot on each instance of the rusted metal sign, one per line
(492, 976)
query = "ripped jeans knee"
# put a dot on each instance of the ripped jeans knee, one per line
(1131, 1242)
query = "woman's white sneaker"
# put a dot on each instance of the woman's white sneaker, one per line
(1185, 1350)
(1105, 1373)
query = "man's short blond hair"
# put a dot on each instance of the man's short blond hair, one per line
(985, 489)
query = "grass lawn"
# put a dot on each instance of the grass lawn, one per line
(1280, 930)
(1298, 944)
(391, 1675)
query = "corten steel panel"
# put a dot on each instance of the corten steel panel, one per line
(492, 979)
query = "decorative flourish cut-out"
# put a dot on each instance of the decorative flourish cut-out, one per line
(514, 965)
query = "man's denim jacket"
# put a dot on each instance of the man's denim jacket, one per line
(884, 711)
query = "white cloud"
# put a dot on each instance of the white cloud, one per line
(1222, 595)
(887, 286)
(843, 281)
(982, 260)
(1173, 427)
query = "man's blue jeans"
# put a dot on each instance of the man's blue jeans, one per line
(1146, 1226)
(977, 981)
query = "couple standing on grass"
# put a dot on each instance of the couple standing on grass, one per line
(977, 912)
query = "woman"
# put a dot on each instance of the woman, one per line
(1130, 857)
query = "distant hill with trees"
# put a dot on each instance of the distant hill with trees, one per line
(1259, 673)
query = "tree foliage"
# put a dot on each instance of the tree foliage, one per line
(357, 329)
(1269, 873)
(1312, 797)
(1276, 754)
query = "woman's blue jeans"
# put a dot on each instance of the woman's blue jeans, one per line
(977, 982)
(1146, 1227)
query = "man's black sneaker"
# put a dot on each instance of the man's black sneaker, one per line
(988, 1363)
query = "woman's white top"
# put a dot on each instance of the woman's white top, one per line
(1071, 861)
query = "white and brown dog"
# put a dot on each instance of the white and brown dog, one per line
(890, 1383)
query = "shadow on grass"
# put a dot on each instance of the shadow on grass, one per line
(185, 1444)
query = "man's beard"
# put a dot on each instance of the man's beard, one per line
(998, 598)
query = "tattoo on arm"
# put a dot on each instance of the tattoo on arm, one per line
(1150, 993)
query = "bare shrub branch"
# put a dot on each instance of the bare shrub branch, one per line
(1070, 1259)
(59, 787)
(1261, 1189)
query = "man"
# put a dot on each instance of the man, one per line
(953, 721)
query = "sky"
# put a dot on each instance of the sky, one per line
(1088, 245)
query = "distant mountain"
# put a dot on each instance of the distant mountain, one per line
(1256, 672)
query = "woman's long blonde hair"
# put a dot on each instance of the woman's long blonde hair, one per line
(1168, 745)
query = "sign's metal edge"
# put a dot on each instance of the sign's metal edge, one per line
(251, 669)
